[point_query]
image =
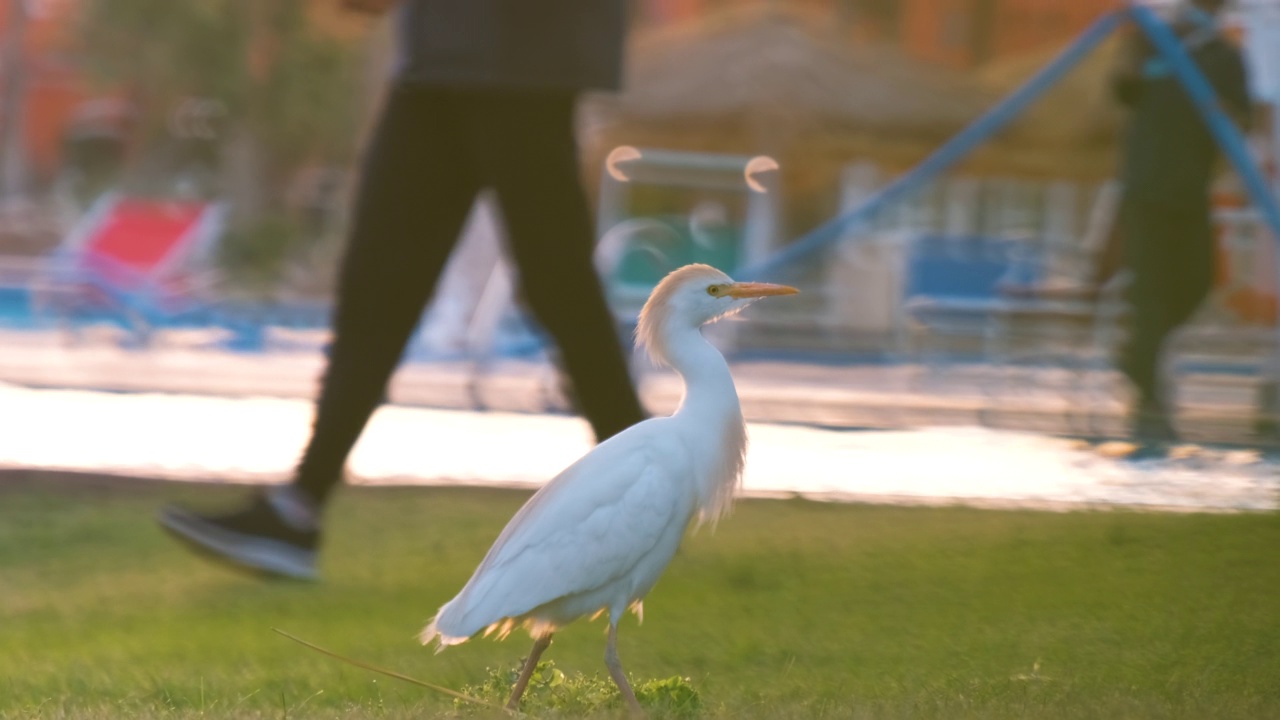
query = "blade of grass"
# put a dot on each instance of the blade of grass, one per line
(391, 673)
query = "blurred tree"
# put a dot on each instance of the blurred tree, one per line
(259, 89)
(286, 86)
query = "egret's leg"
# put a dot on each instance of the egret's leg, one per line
(615, 670)
(526, 672)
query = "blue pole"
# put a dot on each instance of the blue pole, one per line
(952, 152)
(1206, 101)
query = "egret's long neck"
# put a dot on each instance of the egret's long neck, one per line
(713, 417)
(709, 391)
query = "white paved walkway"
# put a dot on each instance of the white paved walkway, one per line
(189, 437)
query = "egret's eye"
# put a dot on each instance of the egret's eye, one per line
(714, 290)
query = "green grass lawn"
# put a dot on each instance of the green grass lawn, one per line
(791, 609)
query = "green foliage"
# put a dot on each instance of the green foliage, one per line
(553, 694)
(167, 49)
(257, 254)
(288, 82)
(673, 697)
(289, 90)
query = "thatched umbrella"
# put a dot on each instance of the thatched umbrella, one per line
(769, 79)
(1077, 119)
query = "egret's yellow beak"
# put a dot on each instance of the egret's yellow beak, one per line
(755, 289)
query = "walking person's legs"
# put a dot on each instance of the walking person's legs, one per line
(526, 146)
(416, 189)
(1170, 255)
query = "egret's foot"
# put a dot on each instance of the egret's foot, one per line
(272, 535)
(619, 675)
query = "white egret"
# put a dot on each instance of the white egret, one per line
(596, 538)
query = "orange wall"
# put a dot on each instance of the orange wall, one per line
(938, 31)
(942, 31)
(935, 31)
(670, 12)
(1027, 25)
(53, 85)
(50, 104)
(48, 23)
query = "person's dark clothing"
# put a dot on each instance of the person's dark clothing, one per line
(483, 99)
(512, 44)
(431, 154)
(1165, 217)
(1171, 252)
(1169, 153)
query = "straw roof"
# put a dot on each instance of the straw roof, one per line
(1078, 110)
(781, 62)
(772, 79)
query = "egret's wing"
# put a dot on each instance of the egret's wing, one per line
(586, 528)
(598, 481)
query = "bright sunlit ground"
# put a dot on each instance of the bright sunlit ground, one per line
(191, 437)
(791, 609)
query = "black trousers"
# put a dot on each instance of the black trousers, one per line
(430, 155)
(1169, 250)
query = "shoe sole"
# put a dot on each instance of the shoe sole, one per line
(244, 552)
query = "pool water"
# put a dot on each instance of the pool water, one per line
(20, 311)
(17, 310)
(248, 323)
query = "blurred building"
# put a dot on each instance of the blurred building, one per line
(954, 33)
(968, 33)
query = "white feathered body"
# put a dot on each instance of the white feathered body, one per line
(598, 536)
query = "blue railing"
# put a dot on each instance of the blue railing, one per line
(945, 157)
(995, 119)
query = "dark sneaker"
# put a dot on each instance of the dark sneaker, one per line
(1153, 432)
(1153, 424)
(257, 538)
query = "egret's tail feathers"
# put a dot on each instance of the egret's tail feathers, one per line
(432, 632)
(537, 628)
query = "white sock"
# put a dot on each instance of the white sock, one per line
(294, 508)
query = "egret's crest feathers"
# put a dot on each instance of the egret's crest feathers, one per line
(659, 310)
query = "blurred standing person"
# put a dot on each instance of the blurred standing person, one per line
(483, 96)
(1167, 164)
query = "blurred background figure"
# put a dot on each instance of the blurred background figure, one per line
(1166, 216)
(483, 96)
